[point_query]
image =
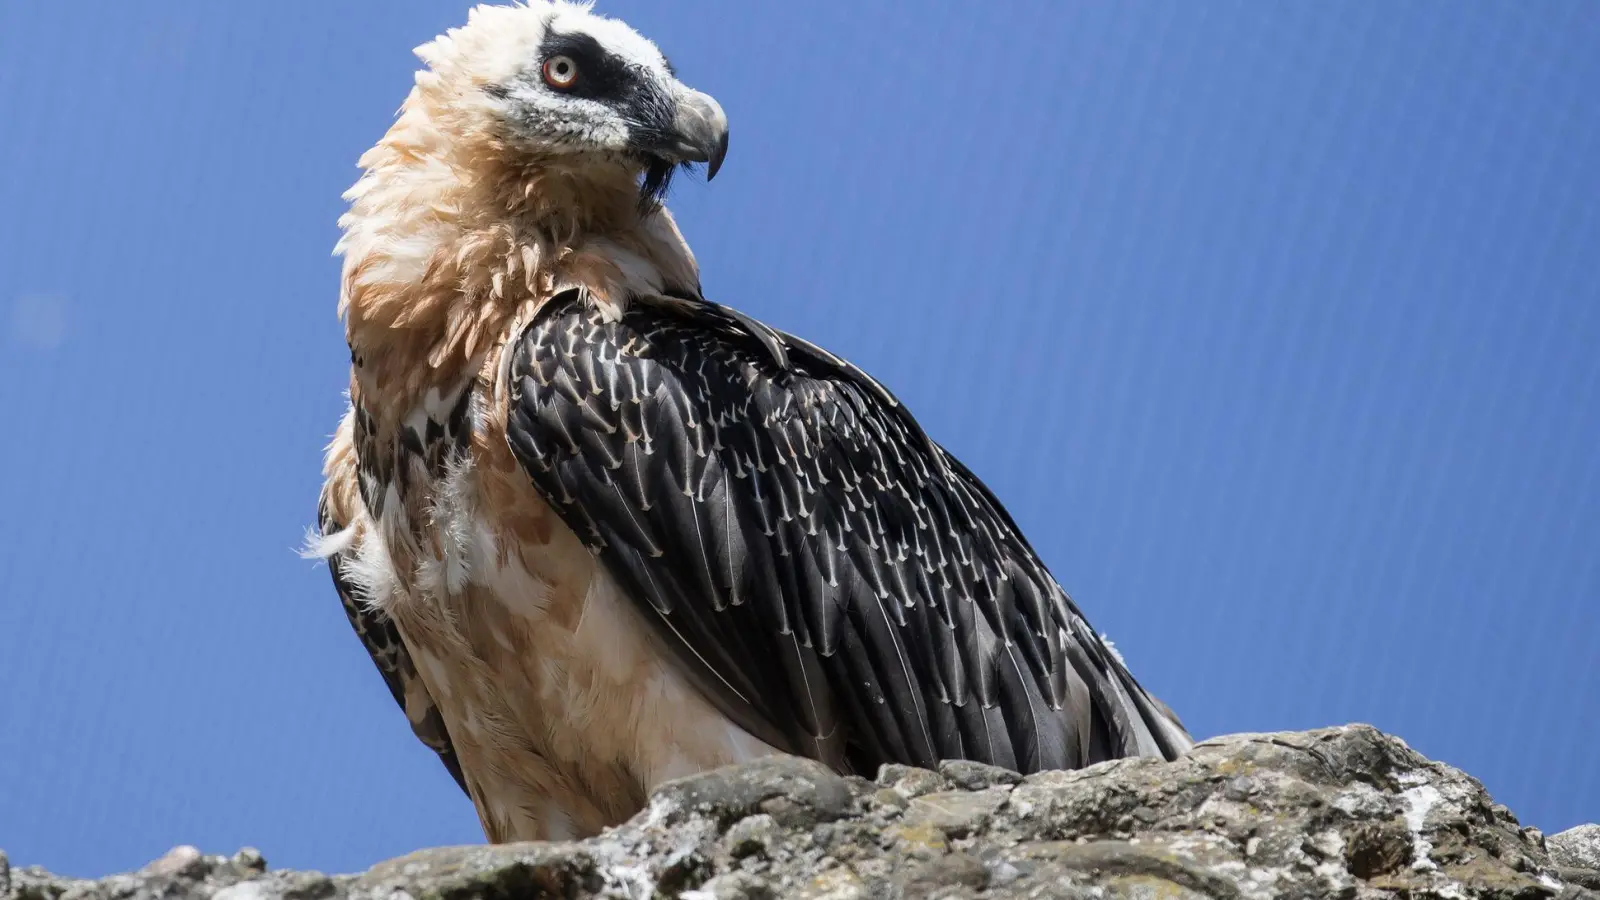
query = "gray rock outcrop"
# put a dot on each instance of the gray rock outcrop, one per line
(1576, 853)
(1336, 813)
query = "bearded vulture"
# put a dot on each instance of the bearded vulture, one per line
(598, 531)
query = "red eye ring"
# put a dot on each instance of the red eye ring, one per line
(560, 72)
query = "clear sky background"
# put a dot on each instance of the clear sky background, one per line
(1275, 327)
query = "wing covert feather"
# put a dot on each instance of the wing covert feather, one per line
(836, 581)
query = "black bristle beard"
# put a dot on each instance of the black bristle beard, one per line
(656, 182)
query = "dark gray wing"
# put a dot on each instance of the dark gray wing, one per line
(382, 640)
(830, 575)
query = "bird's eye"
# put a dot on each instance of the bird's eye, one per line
(560, 72)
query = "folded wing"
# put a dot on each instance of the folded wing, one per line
(835, 581)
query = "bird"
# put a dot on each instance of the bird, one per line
(598, 531)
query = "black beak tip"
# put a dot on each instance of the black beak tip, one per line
(714, 163)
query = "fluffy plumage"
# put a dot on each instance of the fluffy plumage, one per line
(596, 531)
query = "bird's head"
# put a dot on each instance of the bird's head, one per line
(551, 83)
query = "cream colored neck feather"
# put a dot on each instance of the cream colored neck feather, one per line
(452, 235)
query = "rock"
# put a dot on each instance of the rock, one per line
(1576, 853)
(181, 860)
(181, 873)
(752, 835)
(1339, 812)
(732, 886)
(957, 813)
(953, 875)
(975, 776)
(249, 859)
(910, 782)
(794, 791)
(1577, 847)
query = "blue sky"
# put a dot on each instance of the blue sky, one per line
(1275, 327)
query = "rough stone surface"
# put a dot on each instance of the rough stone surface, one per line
(1576, 853)
(1577, 847)
(1344, 813)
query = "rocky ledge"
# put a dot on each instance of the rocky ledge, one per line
(1340, 812)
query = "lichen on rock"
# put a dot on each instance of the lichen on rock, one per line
(1335, 813)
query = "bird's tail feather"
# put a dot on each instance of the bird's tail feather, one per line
(1133, 723)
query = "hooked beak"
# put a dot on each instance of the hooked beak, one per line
(701, 131)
